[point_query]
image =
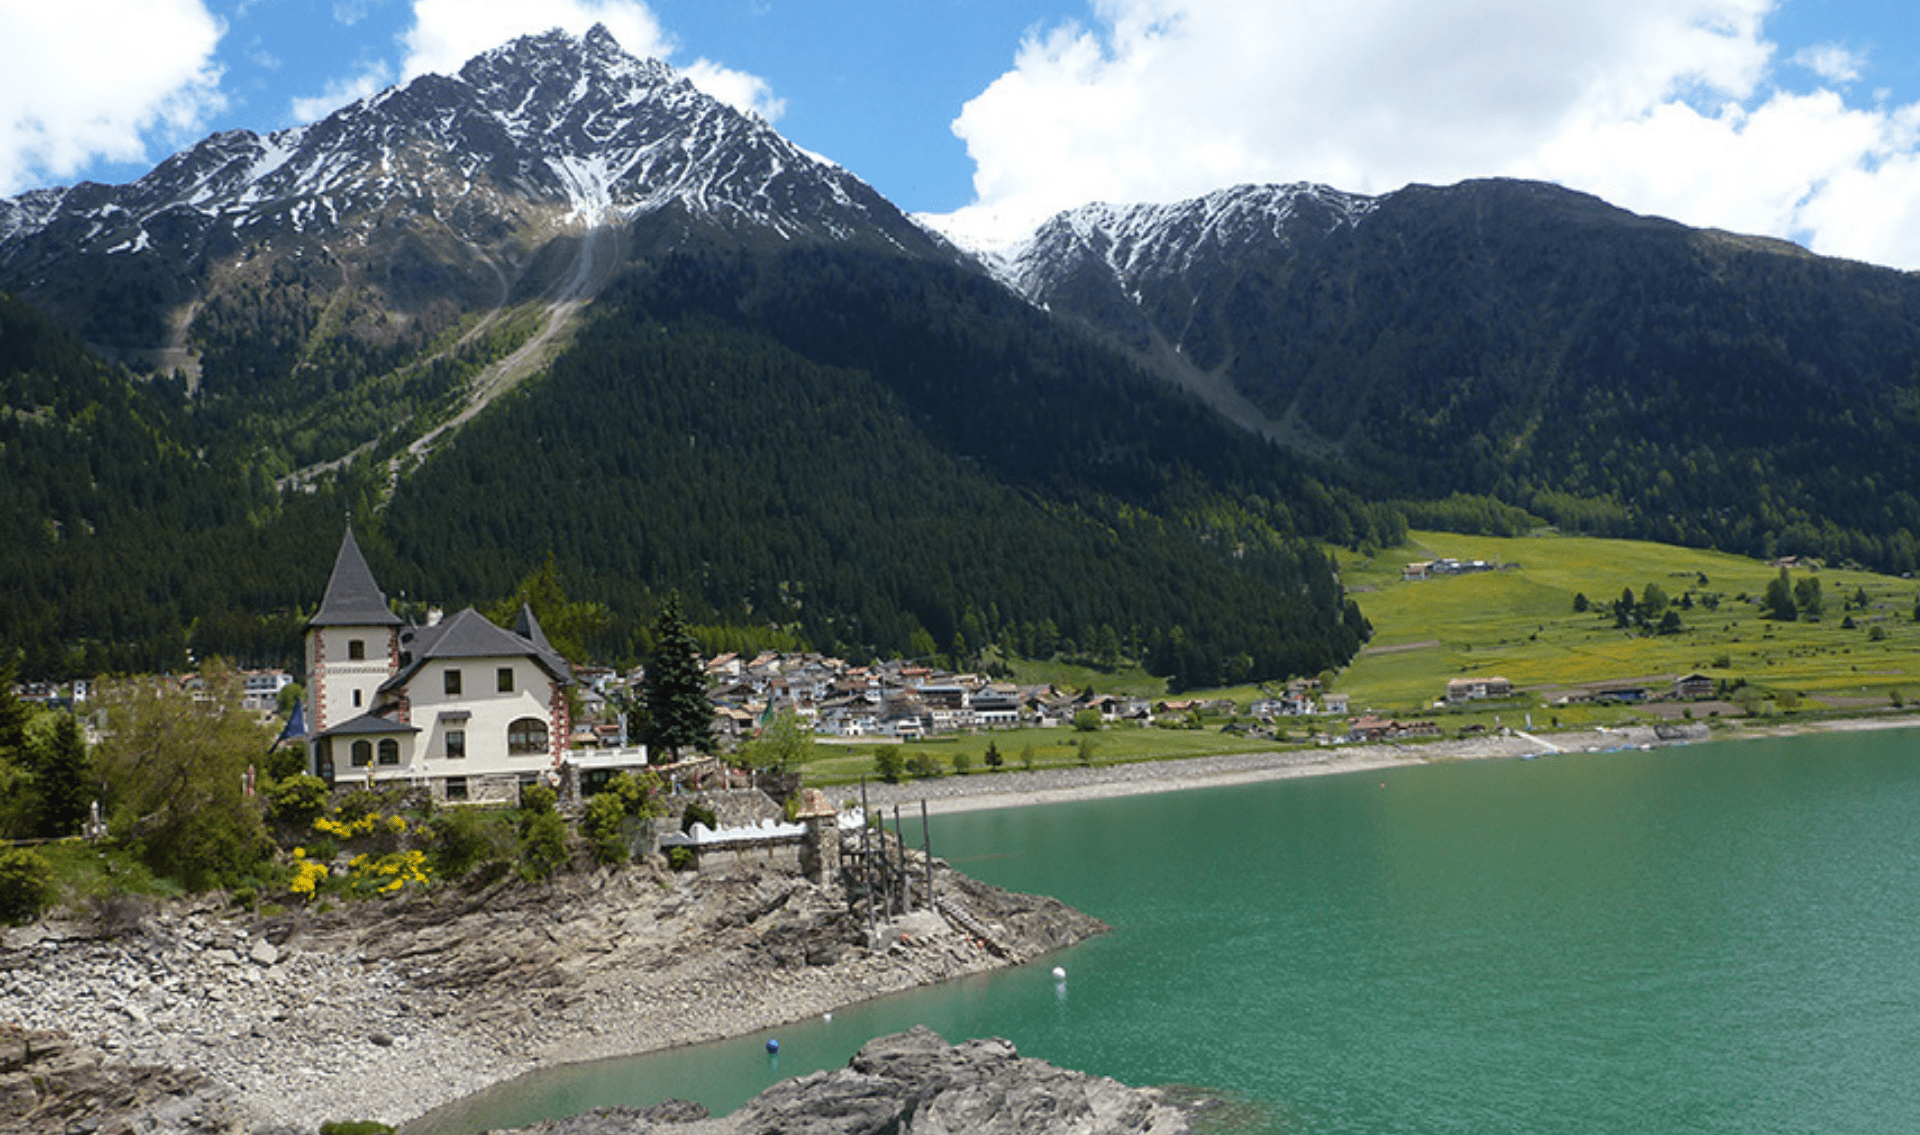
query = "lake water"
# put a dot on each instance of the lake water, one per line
(1717, 938)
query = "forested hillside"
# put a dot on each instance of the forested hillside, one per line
(123, 544)
(887, 456)
(848, 451)
(1538, 348)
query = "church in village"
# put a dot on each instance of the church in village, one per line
(459, 706)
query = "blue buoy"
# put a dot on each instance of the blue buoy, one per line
(773, 1046)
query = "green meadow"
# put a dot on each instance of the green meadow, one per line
(1520, 623)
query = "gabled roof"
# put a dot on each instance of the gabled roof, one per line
(353, 599)
(367, 725)
(470, 634)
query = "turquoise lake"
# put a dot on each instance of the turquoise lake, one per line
(1716, 938)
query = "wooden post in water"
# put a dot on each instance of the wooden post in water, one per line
(866, 855)
(900, 842)
(926, 847)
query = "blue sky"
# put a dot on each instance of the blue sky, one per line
(1795, 118)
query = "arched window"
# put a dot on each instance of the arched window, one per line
(527, 735)
(389, 751)
(362, 753)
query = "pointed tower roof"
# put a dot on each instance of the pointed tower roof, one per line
(529, 628)
(353, 599)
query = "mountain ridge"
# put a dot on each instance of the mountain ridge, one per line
(357, 306)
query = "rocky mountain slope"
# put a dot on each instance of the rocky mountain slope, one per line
(445, 190)
(1529, 345)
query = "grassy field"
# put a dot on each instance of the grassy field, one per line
(1050, 748)
(1520, 623)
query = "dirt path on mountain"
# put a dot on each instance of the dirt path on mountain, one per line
(601, 248)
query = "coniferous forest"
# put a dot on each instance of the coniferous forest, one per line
(719, 430)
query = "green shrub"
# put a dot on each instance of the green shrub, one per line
(287, 760)
(1087, 721)
(888, 762)
(297, 799)
(355, 1127)
(925, 766)
(604, 825)
(26, 885)
(962, 764)
(543, 834)
(679, 858)
(463, 839)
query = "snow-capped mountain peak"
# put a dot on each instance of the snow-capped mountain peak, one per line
(546, 129)
(1132, 242)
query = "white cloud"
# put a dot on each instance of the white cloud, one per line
(89, 82)
(1831, 62)
(340, 92)
(737, 89)
(447, 33)
(1662, 106)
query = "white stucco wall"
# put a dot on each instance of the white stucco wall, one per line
(333, 677)
(489, 713)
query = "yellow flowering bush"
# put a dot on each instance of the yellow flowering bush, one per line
(307, 875)
(362, 826)
(387, 874)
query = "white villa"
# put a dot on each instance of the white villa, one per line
(459, 706)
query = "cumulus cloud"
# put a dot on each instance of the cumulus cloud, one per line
(1673, 107)
(89, 82)
(738, 89)
(447, 33)
(340, 92)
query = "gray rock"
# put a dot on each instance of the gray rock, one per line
(264, 952)
(914, 1081)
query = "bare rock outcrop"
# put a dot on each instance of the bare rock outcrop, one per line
(915, 1082)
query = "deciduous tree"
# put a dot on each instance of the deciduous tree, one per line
(175, 761)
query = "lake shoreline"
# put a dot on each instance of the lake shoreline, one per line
(1022, 788)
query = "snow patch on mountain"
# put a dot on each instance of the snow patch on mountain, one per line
(1134, 242)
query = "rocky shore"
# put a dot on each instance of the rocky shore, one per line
(390, 1009)
(915, 1081)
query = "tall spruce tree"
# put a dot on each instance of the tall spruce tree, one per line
(679, 715)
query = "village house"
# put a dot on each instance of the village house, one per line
(460, 707)
(260, 689)
(1478, 689)
(1371, 728)
(1694, 685)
